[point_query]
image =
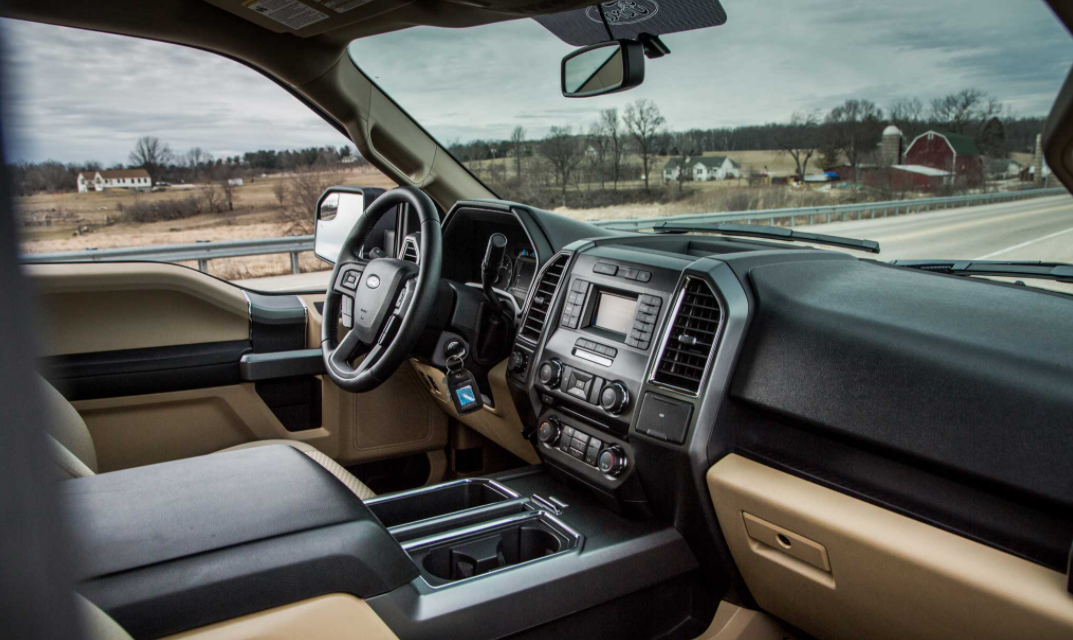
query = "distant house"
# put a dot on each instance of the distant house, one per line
(702, 168)
(137, 179)
(715, 168)
(950, 152)
(1002, 169)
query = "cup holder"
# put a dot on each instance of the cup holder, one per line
(434, 502)
(476, 553)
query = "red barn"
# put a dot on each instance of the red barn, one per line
(947, 152)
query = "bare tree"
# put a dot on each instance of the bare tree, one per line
(152, 154)
(211, 198)
(279, 189)
(611, 129)
(966, 111)
(800, 139)
(907, 113)
(517, 142)
(854, 128)
(303, 190)
(563, 151)
(643, 120)
(196, 158)
(227, 176)
(599, 143)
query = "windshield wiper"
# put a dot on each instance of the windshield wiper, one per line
(1060, 271)
(763, 231)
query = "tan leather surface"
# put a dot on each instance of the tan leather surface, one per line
(68, 431)
(732, 622)
(502, 424)
(108, 306)
(356, 486)
(330, 617)
(96, 624)
(891, 576)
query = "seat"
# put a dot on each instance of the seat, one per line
(74, 455)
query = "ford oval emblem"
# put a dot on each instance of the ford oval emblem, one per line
(373, 282)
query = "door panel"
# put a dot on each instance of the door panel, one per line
(890, 576)
(165, 362)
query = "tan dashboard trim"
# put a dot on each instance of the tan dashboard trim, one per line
(332, 617)
(501, 424)
(891, 576)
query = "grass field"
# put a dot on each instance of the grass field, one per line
(78, 221)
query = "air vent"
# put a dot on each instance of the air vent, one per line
(410, 252)
(540, 305)
(691, 338)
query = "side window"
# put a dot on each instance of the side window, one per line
(186, 147)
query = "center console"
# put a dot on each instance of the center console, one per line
(584, 360)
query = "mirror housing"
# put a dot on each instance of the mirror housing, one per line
(338, 210)
(602, 68)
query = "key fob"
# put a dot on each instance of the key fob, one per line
(462, 387)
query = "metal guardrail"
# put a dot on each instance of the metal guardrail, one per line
(834, 212)
(202, 252)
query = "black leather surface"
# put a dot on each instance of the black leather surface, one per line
(183, 544)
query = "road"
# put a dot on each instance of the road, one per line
(1035, 229)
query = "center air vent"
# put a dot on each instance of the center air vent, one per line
(540, 305)
(691, 338)
(410, 252)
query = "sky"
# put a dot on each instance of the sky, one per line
(78, 96)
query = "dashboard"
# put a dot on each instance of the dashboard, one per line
(641, 361)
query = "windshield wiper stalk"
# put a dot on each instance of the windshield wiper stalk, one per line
(1060, 271)
(764, 231)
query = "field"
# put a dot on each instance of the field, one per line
(78, 221)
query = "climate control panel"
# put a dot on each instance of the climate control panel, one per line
(601, 454)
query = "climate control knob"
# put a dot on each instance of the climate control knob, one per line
(518, 361)
(615, 398)
(551, 372)
(549, 430)
(612, 460)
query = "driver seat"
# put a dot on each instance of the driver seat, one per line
(74, 455)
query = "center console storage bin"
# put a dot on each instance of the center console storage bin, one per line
(184, 544)
(440, 500)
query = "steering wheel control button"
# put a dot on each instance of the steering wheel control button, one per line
(350, 280)
(549, 431)
(605, 268)
(612, 461)
(551, 372)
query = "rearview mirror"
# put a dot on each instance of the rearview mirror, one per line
(606, 67)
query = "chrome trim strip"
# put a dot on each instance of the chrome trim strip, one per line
(546, 504)
(509, 493)
(592, 357)
(408, 528)
(470, 530)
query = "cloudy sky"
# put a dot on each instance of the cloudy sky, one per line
(82, 96)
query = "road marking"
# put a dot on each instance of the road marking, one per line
(1024, 244)
(971, 224)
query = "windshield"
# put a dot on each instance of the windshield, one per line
(799, 104)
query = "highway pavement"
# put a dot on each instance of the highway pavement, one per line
(1034, 229)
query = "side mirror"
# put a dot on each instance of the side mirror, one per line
(605, 67)
(338, 211)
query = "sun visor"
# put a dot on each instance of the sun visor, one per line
(630, 18)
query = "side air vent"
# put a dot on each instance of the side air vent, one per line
(687, 349)
(410, 252)
(540, 305)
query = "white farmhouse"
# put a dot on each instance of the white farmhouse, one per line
(114, 179)
(715, 168)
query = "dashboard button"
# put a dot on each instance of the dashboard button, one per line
(644, 276)
(629, 274)
(591, 455)
(605, 268)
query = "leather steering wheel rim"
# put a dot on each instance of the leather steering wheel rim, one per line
(387, 345)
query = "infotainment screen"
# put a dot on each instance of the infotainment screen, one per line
(614, 312)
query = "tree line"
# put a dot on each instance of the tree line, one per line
(195, 165)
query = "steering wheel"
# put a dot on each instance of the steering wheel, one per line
(386, 302)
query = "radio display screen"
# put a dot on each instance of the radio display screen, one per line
(614, 312)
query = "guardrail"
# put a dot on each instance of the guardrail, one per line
(833, 212)
(202, 252)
